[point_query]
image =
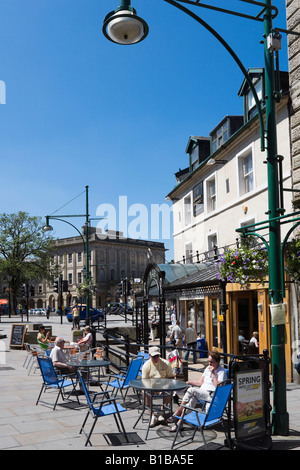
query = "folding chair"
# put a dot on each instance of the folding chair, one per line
(52, 381)
(107, 406)
(28, 357)
(201, 420)
(145, 357)
(121, 383)
(34, 352)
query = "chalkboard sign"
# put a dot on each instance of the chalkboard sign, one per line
(17, 335)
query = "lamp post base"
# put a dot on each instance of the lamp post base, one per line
(280, 424)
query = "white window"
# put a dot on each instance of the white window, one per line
(246, 173)
(79, 257)
(79, 275)
(70, 278)
(211, 194)
(187, 210)
(194, 157)
(189, 253)
(212, 244)
(251, 240)
(258, 89)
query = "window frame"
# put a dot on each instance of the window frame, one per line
(211, 207)
(244, 178)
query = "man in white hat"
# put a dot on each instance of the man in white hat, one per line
(156, 368)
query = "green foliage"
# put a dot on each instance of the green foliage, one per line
(86, 288)
(243, 265)
(293, 258)
(24, 250)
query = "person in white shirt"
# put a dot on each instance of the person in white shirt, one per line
(177, 335)
(156, 367)
(202, 389)
(191, 342)
(86, 342)
(59, 358)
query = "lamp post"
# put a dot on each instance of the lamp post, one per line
(117, 28)
(85, 241)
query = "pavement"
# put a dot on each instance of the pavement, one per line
(27, 426)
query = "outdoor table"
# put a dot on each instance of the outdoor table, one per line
(88, 364)
(154, 389)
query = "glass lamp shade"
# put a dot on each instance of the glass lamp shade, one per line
(125, 27)
(47, 228)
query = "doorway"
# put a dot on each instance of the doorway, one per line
(247, 316)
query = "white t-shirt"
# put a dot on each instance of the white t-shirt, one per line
(208, 381)
(57, 355)
(88, 339)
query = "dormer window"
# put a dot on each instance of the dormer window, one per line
(224, 130)
(194, 157)
(220, 136)
(257, 77)
(198, 149)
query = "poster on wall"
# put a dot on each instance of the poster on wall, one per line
(249, 404)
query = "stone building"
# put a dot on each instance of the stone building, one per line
(112, 258)
(293, 24)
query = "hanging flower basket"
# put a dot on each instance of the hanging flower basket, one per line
(293, 259)
(243, 265)
(86, 288)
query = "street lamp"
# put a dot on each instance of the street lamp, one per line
(114, 29)
(85, 241)
(123, 26)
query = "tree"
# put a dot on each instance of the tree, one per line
(24, 251)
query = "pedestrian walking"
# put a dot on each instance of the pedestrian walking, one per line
(191, 342)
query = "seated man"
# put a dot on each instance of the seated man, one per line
(211, 377)
(156, 367)
(59, 358)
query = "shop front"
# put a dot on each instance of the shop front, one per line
(198, 296)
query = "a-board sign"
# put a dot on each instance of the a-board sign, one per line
(249, 408)
(17, 337)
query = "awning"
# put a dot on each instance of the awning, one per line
(188, 280)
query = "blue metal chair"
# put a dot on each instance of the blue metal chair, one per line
(120, 383)
(52, 381)
(145, 357)
(107, 406)
(201, 420)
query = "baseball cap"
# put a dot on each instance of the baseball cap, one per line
(154, 351)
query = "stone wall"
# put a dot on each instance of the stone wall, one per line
(293, 23)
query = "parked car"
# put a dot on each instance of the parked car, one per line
(40, 311)
(37, 311)
(117, 308)
(95, 314)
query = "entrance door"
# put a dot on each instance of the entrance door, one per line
(247, 317)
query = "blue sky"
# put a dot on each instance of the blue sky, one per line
(81, 110)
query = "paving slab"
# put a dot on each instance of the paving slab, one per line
(25, 426)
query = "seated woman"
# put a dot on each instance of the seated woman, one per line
(201, 389)
(86, 342)
(42, 339)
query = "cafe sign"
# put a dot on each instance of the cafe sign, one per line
(249, 404)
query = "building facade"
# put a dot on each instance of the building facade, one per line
(217, 194)
(293, 24)
(112, 258)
